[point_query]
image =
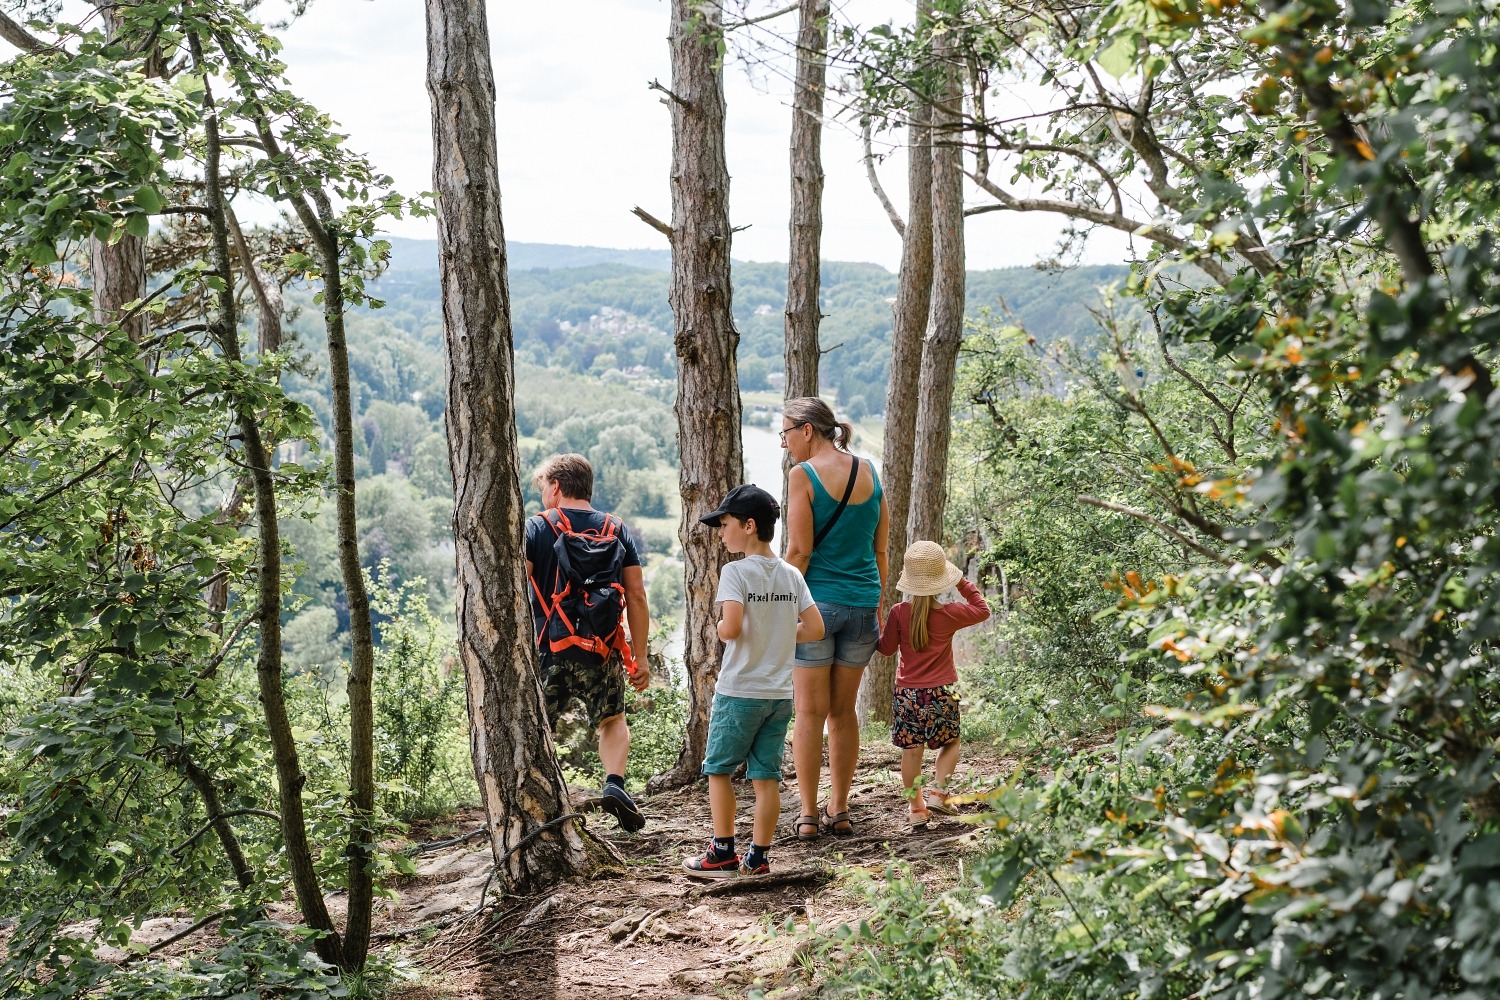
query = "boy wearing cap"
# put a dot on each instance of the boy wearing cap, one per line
(765, 610)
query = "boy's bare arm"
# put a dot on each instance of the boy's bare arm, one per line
(810, 625)
(731, 620)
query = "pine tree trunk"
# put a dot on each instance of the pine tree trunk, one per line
(913, 299)
(934, 429)
(803, 280)
(514, 760)
(708, 394)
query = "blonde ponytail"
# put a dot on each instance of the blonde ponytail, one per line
(921, 606)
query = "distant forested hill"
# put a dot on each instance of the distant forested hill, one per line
(594, 375)
(603, 312)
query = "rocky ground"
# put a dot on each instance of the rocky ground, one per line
(653, 932)
(643, 930)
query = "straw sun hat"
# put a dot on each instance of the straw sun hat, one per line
(926, 571)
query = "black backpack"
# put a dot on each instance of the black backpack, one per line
(585, 612)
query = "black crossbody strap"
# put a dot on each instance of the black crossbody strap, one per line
(838, 512)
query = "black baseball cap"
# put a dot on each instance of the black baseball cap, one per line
(745, 501)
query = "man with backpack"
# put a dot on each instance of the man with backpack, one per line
(584, 573)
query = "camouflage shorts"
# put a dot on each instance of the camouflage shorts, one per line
(600, 688)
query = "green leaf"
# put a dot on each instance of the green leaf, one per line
(148, 199)
(1118, 57)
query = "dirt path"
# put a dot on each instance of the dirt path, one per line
(654, 932)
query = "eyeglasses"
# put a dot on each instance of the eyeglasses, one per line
(787, 430)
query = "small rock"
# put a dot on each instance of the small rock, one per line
(440, 905)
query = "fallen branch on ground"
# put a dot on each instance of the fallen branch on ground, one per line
(775, 880)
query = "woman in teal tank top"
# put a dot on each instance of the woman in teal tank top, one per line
(840, 547)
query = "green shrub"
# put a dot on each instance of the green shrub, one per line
(421, 724)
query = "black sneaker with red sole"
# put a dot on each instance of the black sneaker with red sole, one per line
(711, 865)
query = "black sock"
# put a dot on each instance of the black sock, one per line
(724, 847)
(758, 856)
(614, 779)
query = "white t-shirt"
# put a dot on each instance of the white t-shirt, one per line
(759, 663)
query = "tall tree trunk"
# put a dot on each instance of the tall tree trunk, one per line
(803, 279)
(708, 392)
(289, 776)
(913, 299)
(519, 777)
(934, 430)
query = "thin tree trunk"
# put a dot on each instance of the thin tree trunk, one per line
(289, 777)
(360, 850)
(519, 778)
(934, 429)
(913, 299)
(213, 806)
(803, 280)
(318, 220)
(708, 393)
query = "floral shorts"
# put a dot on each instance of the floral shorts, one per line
(924, 716)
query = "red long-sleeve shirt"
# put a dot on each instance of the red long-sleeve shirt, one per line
(932, 666)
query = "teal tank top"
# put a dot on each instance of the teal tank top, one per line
(842, 569)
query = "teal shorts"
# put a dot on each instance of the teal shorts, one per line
(751, 731)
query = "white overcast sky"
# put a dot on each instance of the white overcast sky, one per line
(582, 139)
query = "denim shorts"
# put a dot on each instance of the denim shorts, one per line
(752, 730)
(849, 637)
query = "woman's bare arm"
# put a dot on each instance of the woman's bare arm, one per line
(799, 519)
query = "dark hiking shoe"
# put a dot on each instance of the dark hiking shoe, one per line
(764, 868)
(711, 864)
(617, 802)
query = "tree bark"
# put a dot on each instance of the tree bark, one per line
(289, 776)
(360, 850)
(934, 427)
(708, 393)
(118, 270)
(514, 760)
(913, 300)
(803, 280)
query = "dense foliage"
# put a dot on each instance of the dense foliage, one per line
(137, 765)
(1312, 811)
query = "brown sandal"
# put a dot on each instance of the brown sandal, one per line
(838, 824)
(811, 821)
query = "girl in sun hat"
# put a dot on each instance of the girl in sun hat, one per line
(926, 709)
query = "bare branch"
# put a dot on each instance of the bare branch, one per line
(877, 187)
(653, 222)
(168, 942)
(656, 85)
(732, 25)
(227, 814)
(1092, 213)
(16, 34)
(267, 292)
(1141, 515)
